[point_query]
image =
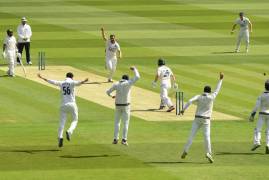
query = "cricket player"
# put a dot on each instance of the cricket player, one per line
(262, 105)
(202, 117)
(112, 53)
(68, 104)
(122, 102)
(10, 52)
(165, 75)
(245, 27)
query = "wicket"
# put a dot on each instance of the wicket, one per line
(41, 60)
(179, 102)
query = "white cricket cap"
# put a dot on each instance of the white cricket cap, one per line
(24, 19)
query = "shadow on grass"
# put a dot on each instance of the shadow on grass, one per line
(175, 162)
(237, 153)
(225, 52)
(89, 156)
(4, 75)
(150, 110)
(34, 151)
(104, 82)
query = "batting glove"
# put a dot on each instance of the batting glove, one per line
(251, 118)
(154, 84)
(175, 86)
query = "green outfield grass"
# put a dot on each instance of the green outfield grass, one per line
(192, 35)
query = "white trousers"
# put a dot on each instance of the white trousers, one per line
(11, 59)
(244, 34)
(122, 113)
(196, 125)
(257, 131)
(165, 100)
(111, 65)
(68, 108)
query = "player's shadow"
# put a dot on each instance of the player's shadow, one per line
(225, 52)
(5, 75)
(143, 110)
(102, 82)
(34, 151)
(237, 153)
(87, 156)
(175, 162)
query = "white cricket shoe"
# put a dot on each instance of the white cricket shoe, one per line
(237, 51)
(209, 157)
(246, 50)
(29, 63)
(124, 142)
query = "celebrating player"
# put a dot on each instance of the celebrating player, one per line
(68, 104)
(112, 52)
(165, 75)
(202, 117)
(262, 105)
(122, 102)
(10, 52)
(245, 27)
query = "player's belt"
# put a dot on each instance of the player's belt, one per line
(264, 113)
(203, 117)
(127, 104)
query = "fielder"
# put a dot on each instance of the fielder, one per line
(165, 75)
(122, 102)
(10, 52)
(112, 52)
(202, 117)
(245, 27)
(68, 104)
(262, 105)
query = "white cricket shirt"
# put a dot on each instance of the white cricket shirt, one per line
(10, 43)
(164, 74)
(204, 102)
(123, 89)
(243, 23)
(112, 49)
(67, 88)
(262, 103)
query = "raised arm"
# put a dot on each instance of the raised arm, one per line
(103, 34)
(193, 99)
(136, 77)
(255, 109)
(216, 92)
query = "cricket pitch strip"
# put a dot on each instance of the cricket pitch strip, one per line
(144, 103)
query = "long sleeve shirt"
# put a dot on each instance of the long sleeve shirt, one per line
(204, 102)
(262, 103)
(123, 89)
(24, 33)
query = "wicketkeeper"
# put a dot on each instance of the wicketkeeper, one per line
(202, 117)
(122, 103)
(262, 105)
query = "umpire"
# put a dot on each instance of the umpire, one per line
(24, 36)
